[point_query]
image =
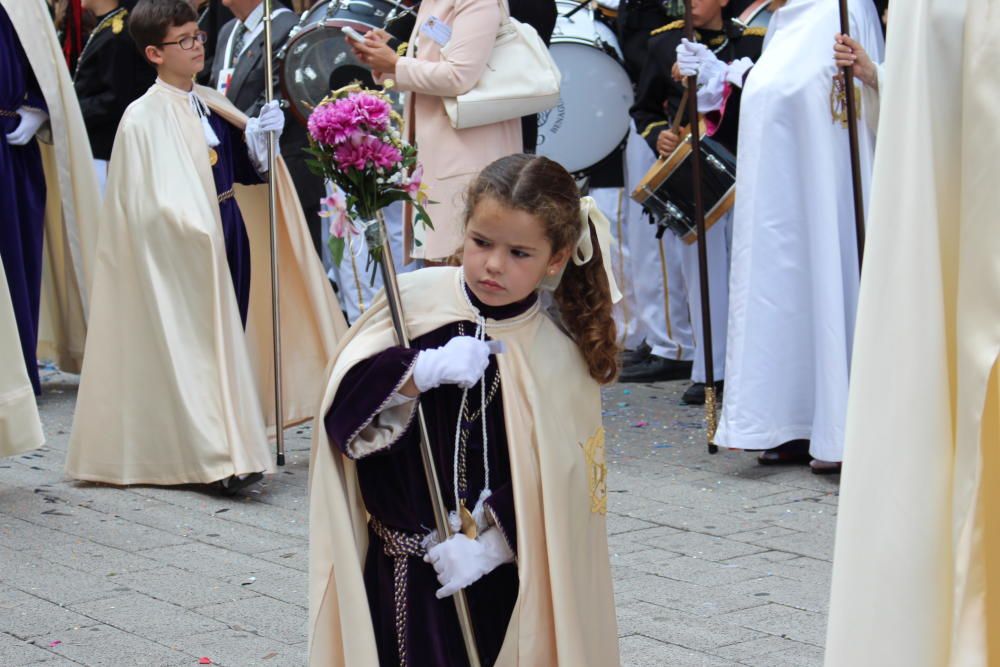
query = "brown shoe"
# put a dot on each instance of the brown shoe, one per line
(790, 453)
(825, 467)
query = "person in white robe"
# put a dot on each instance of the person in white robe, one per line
(795, 271)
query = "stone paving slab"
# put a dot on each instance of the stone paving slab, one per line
(718, 562)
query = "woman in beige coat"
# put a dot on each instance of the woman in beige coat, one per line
(446, 56)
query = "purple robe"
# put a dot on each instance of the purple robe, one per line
(395, 494)
(234, 166)
(22, 195)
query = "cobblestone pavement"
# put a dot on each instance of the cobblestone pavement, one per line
(717, 561)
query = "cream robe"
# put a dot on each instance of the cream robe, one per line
(73, 203)
(794, 280)
(552, 411)
(20, 426)
(916, 574)
(172, 390)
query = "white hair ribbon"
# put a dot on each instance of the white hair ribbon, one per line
(591, 214)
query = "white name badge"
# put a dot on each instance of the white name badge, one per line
(225, 78)
(437, 30)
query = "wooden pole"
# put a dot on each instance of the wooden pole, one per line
(279, 410)
(852, 133)
(699, 215)
(388, 269)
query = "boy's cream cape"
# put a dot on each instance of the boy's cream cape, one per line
(552, 411)
(71, 210)
(172, 390)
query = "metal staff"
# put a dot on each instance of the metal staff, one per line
(699, 218)
(852, 133)
(388, 270)
(279, 410)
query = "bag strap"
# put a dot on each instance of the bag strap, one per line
(504, 12)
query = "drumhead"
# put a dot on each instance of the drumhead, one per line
(318, 59)
(592, 117)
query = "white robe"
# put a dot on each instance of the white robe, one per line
(794, 280)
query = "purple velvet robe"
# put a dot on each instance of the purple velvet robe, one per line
(22, 195)
(234, 166)
(395, 493)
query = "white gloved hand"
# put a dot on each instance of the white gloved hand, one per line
(270, 119)
(691, 57)
(462, 361)
(31, 120)
(461, 562)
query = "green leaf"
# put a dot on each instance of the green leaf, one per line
(337, 246)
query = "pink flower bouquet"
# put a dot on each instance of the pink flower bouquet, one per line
(355, 141)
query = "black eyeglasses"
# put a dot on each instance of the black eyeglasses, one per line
(187, 42)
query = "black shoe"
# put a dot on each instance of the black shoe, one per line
(656, 369)
(638, 355)
(695, 394)
(792, 452)
(233, 485)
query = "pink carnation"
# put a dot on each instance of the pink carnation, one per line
(334, 123)
(371, 110)
(412, 184)
(364, 152)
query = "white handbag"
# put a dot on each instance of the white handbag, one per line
(520, 79)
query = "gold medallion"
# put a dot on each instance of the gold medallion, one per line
(469, 528)
(213, 157)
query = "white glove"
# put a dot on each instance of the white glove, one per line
(270, 119)
(462, 361)
(461, 562)
(31, 121)
(693, 58)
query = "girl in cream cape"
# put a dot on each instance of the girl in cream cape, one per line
(530, 477)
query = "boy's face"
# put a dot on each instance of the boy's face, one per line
(705, 12)
(171, 57)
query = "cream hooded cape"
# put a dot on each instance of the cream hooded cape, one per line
(172, 390)
(20, 426)
(916, 576)
(552, 411)
(73, 202)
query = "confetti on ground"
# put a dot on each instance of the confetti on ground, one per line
(55, 643)
(204, 661)
(641, 424)
(662, 446)
(627, 392)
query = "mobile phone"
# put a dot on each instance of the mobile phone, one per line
(352, 34)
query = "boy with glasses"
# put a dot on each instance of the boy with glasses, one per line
(172, 390)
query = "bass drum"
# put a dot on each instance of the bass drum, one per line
(757, 15)
(592, 117)
(318, 59)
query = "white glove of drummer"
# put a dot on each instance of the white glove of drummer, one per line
(461, 562)
(270, 119)
(462, 361)
(31, 121)
(697, 59)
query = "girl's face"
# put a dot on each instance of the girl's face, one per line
(506, 253)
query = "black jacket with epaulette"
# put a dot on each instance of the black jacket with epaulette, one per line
(110, 75)
(659, 95)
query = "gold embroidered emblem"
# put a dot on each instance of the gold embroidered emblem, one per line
(838, 100)
(213, 157)
(597, 471)
(118, 23)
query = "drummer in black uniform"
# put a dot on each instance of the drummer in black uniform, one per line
(110, 75)
(660, 89)
(658, 98)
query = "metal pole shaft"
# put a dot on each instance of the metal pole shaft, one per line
(388, 269)
(699, 215)
(279, 411)
(852, 133)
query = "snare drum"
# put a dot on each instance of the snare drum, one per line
(667, 189)
(318, 59)
(592, 117)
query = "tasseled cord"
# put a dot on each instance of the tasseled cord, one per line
(203, 112)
